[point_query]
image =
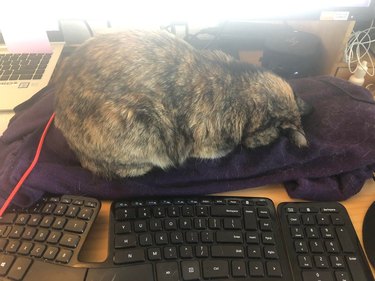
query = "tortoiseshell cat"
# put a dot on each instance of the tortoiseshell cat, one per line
(130, 101)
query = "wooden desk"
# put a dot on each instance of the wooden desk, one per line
(95, 249)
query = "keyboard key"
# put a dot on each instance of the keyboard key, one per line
(170, 253)
(190, 270)
(300, 246)
(69, 240)
(192, 237)
(321, 261)
(5, 263)
(356, 267)
(161, 238)
(124, 214)
(154, 254)
(256, 269)
(167, 271)
(51, 253)
(267, 238)
(344, 239)
(229, 237)
(22, 219)
(225, 211)
(207, 236)
(270, 252)
(25, 248)
(304, 261)
(56, 272)
(122, 227)
(238, 268)
(145, 239)
(332, 246)
(125, 241)
(337, 261)
(85, 213)
(273, 269)
(227, 251)
(201, 251)
(64, 256)
(253, 251)
(76, 226)
(252, 238)
(342, 276)
(19, 268)
(129, 256)
(294, 219)
(316, 246)
(29, 233)
(34, 220)
(38, 250)
(54, 237)
(250, 218)
(186, 252)
(139, 272)
(232, 223)
(317, 276)
(215, 269)
(12, 246)
(265, 225)
(8, 218)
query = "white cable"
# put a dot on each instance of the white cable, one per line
(358, 47)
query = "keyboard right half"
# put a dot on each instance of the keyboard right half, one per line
(321, 242)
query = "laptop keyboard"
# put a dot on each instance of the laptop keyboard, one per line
(23, 66)
(195, 238)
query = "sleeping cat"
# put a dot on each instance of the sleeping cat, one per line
(130, 101)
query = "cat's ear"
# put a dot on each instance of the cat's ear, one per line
(298, 138)
(303, 107)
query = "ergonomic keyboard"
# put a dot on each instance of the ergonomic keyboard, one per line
(321, 242)
(190, 238)
(38, 242)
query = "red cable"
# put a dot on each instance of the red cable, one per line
(29, 169)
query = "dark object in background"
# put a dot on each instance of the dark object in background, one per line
(368, 232)
(233, 37)
(292, 54)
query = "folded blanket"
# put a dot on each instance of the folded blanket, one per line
(339, 159)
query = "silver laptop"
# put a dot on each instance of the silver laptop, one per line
(23, 75)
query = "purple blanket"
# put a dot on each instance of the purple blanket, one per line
(339, 159)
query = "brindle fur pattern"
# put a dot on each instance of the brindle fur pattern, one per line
(127, 102)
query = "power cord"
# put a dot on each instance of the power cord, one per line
(358, 48)
(29, 169)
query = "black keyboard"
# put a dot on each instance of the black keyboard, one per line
(50, 233)
(322, 243)
(200, 238)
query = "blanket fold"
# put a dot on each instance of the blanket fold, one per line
(339, 159)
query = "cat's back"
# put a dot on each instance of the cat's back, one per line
(132, 52)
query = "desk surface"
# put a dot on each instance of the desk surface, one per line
(95, 250)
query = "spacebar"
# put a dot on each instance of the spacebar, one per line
(44, 271)
(140, 272)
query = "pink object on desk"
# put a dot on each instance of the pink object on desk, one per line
(26, 39)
